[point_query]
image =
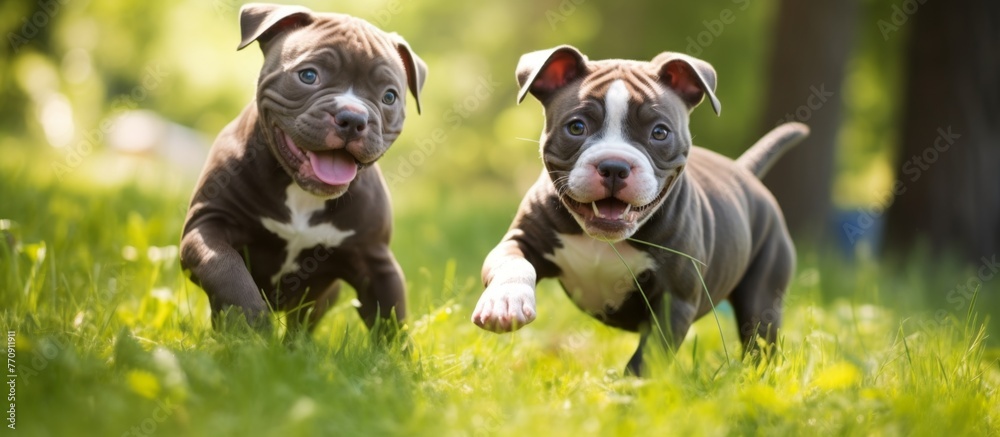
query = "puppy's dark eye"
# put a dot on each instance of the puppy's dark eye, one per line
(389, 97)
(308, 76)
(576, 128)
(660, 132)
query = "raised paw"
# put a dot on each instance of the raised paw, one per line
(505, 307)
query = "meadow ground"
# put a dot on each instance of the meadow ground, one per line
(109, 338)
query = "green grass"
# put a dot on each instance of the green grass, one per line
(111, 339)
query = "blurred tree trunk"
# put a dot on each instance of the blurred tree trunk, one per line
(21, 35)
(950, 161)
(812, 44)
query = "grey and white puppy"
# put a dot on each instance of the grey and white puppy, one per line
(620, 167)
(291, 200)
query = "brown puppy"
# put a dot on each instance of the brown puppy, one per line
(620, 167)
(291, 200)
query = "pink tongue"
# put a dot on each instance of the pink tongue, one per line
(611, 208)
(335, 167)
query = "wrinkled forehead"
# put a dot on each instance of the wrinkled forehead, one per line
(341, 37)
(638, 80)
(631, 83)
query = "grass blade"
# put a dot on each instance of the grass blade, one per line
(715, 313)
(656, 320)
(694, 262)
(673, 251)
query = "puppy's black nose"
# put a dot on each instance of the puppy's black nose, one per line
(350, 123)
(614, 169)
(613, 173)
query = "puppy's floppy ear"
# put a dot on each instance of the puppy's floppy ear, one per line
(416, 69)
(545, 71)
(689, 77)
(262, 21)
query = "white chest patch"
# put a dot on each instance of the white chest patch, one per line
(593, 275)
(298, 233)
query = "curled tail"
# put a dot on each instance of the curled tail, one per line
(766, 151)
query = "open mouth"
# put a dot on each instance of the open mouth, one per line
(609, 208)
(329, 167)
(612, 213)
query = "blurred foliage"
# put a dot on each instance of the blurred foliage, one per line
(69, 67)
(90, 55)
(88, 262)
(867, 142)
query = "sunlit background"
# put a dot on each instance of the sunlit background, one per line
(108, 109)
(112, 95)
(165, 78)
(116, 95)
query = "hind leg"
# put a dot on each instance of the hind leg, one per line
(758, 298)
(307, 314)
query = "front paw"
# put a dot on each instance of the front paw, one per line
(505, 308)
